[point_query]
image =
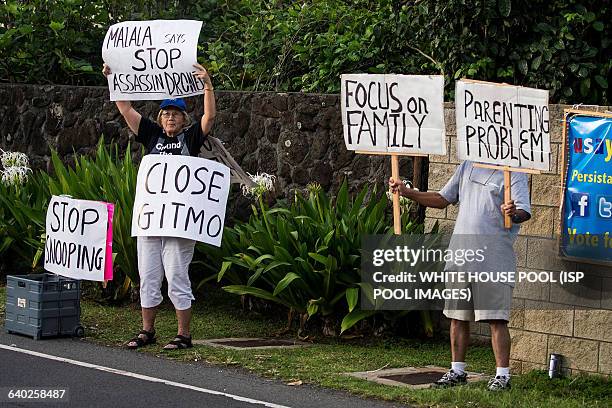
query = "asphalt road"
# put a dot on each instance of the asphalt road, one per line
(97, 376)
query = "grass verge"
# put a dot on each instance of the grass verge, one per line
(218, 314)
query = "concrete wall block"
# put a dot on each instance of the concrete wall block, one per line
(577, 354)
(435, 212)
(542, 253)
(545, 189)
(439, 174)
(593, 324)
(605, 358)
(544, 317)
(541, 223)
(528, 346)
(452, 211)
(539, 291)
(520, 249)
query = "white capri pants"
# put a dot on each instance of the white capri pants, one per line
(170, 256)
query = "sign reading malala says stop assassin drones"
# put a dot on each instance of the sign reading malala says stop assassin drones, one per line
(181, 196)
(393, 113)
(502, 124)
(152, 59)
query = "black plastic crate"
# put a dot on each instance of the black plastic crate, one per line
(41, 305)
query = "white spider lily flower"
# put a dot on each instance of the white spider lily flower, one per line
(263, 182)
(14, 159)
(15, 176)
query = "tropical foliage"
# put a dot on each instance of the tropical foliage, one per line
(561, 45)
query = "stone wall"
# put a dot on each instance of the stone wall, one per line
(297, 137)
(544, 320)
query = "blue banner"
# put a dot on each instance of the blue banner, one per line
(587, 208)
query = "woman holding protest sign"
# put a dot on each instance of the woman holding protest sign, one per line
(171, 134)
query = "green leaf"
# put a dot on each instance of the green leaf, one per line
(290, 277)
(601, 81)
(598, 25)
(260, 293)
(585, 86)
(522, 66)
(224, 267)
(352, 296)
(312, 309)
(319, 258)
(56, 25)
(353, 318)
(504, 7)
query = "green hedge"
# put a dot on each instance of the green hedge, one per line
(563, 46)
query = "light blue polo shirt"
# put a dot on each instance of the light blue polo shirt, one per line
(480, 194)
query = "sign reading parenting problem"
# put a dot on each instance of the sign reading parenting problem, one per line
(503, 125)
(76, 238)
(393, 113)
(181, 197)
(152, 59)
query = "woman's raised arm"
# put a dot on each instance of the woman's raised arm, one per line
(210, 107)
(125, 108)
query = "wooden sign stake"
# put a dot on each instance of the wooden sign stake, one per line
(397, 216)
(507, 183)
(507, 198)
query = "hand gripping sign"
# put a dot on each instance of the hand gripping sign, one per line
(152, 59)
(79, 239)
(181, 196)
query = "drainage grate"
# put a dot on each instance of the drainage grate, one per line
(418, 378)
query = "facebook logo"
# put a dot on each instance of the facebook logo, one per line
(604, 207)
(580, 204)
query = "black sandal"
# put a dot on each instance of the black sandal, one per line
(140, 342)
(180, 343)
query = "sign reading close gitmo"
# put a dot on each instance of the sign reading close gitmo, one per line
(181, 197)
(503, 125)
(393, 113)
(76, 238)
(152, 59)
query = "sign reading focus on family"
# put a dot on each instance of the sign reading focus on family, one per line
(152, 59)
(393, 113)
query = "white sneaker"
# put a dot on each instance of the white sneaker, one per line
(499, 383)
(451, 379)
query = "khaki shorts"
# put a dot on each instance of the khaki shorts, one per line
(492, 300)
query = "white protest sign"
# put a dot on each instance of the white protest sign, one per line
(393, 113)
(75, 244)
(181, 196)
(152, 59)
(502, 124)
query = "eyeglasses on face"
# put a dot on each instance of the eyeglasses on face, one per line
(171, 114)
